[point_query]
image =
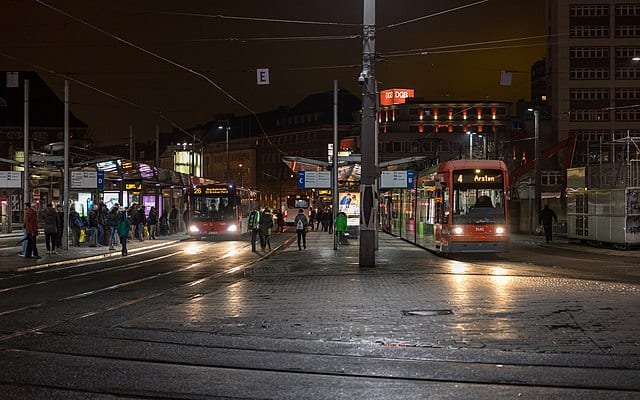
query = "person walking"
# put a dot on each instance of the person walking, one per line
(254, 226)
(547, 217)
(280, 220)
(50, 219)
(124, 226)
(31, 230)
(266, 224)
(301, 223)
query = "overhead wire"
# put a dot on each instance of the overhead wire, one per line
(256, 19)
(432, 15)
(98, 90)
(169, 61)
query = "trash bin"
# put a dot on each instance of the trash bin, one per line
(341, 222)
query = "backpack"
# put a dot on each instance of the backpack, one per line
(253, 217)
(300, 224)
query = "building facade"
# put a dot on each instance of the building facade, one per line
(593, 78)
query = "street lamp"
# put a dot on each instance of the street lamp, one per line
(484, 143)
(226, 129)
(536, 137)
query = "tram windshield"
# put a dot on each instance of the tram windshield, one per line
(477, 197)
(213, 208)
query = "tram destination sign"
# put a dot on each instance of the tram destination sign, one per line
(10, 179)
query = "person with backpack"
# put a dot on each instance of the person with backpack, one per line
(254, 226)
(265, 226)
(301, 223)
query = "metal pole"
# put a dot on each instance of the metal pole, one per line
(25, 194)
(367, 138)
(65, 178)
(334, 172)
(131, 149)
(227, 145)
(538, 194)
(470, 145)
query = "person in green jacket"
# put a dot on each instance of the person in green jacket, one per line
(124, 226)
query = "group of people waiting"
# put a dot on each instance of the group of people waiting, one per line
(101, 227)
(322, 219)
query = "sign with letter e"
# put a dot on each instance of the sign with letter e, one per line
(263, 76)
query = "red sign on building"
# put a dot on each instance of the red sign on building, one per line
(395, 96)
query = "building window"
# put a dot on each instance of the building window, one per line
(627, 53)
(589, 94)
(627, 72)
(589, 115)
(627, 93)
(589, 73)
(623, 133)
(628, 114)
(589, 52)
(551, 177)
(588, 31)
(627, 31)
(589, 10)
(627, 10)
(591, 135)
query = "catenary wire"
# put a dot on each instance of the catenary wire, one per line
(433, 15)
(256, 19)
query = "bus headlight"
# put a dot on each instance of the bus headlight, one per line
(500, 230)
(458, 230)
(194, 229)
(232, 228)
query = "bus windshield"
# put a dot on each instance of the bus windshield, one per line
(302, 202)
(213, 208)
(477, 197)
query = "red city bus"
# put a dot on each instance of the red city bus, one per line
(220, 210)
(459, 206)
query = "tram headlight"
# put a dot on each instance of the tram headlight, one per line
(194, 229)
(458, 230)
(500, 230)
(232, 228)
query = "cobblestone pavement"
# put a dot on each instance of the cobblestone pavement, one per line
(412, 298)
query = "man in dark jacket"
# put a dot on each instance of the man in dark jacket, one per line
(31, 230)
(547, 217)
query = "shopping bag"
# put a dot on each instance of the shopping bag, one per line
(83, 236)
(145, 232)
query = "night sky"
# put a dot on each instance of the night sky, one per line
(229, 50)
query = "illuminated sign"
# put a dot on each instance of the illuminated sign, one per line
(395, 96)
(210, 190)
(478, 177)
(133, 186)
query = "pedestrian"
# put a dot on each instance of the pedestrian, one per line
(93, 226)
(266, 224)
(112, 224)
(319, 218)
(102, 213)
(75, 223)
(153, 223)
(141, 218)
(124, 226)
(131, 215)
(31, 231)
(173, 220)
(312, 217)
(50, 219)
(547, 217)
(164, 223)
(280, 220)
(185, 218)
(254, 226)
(301, 223)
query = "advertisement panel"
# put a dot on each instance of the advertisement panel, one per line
(395, 96)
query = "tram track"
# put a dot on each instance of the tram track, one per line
(290, 366)
(79, 316)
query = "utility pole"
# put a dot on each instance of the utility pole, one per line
(334, 162)
(366, 79)
(65, 178)
(537, 183)
(26, 190)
